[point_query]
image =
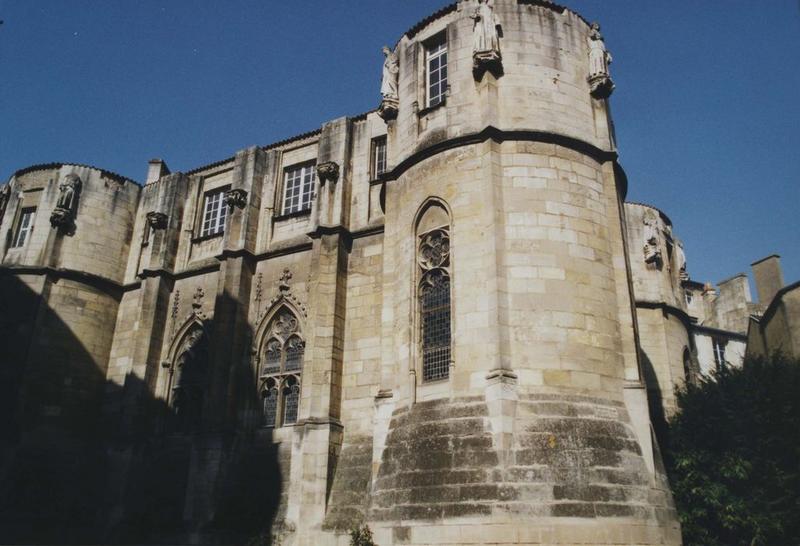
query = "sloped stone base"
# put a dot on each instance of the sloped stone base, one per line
(573, 474)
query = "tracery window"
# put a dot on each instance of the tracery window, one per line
(434, 300)
(188, 381)
(281, 371)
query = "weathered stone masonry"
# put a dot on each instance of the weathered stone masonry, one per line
(439, 318)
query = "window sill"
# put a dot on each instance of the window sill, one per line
(428, 109)
(426, 382)
(204, 238)
(288, 216)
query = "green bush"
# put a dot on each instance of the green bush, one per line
(361, 536)
(733, 456)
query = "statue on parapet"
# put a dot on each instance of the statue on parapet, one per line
(5, 195)
(63, 216)
(599, 60)
(390, 95)
(652, 237)
(486, 40)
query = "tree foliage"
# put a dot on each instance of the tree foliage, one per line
(733, 455)
(361, 536)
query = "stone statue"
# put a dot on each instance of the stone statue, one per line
(391, 72)
(64, 214)
(69, 189)
(680, 257)
(486, 40)
(5, 195)
(599, 60)
(390, 95)
(652, 253)
(486, 36)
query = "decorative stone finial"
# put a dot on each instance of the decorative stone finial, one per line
(599, 59)
(328, 171)
(236, 198)
(157, 220)
(63, 216)
(486, 54)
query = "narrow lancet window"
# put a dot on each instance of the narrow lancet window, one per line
(433, 293)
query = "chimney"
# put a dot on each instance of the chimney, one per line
(768, 277)
(156, 168)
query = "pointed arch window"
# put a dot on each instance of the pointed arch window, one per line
(188, 381)
(281, 372)
(434, 293)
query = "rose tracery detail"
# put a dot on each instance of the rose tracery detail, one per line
(434, 249)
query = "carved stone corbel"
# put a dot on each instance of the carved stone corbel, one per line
(328, 172)
(236, 198)
(157, 220)
(389, 108)
(601, 87)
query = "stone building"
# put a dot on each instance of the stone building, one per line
(438, 318)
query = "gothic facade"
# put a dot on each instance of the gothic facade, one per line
(439, 318)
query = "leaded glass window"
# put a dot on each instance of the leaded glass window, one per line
(272, 360)
(291, 400)
(295, 348)
(434, 303)
(282, 364)
(435, 314)
(270, 401)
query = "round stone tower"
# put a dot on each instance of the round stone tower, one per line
(511, 407)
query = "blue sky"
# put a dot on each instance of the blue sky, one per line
(706, 107)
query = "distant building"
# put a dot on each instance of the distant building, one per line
(438, 318)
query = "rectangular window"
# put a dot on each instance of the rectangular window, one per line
(435, 314)
(378, 157)
(298, 188)
(436, 70)
(719, 353)
(214, 214)
(24, 227)
(689, 297)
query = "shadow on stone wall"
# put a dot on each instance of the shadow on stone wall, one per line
(68, 475)
(654, 396)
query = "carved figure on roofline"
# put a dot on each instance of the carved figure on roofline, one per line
(486, 40)
(680, 256)
(391, 71)
(599, 61)
(5, 195)
(652, 253)
(64, 214)
(390, 95)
